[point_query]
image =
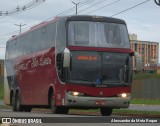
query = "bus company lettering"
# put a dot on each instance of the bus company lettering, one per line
(23, 66)
(44, 61)
(33, 63)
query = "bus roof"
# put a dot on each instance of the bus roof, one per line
(73, 18)
(95, 18)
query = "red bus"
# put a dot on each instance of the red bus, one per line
(70, 62)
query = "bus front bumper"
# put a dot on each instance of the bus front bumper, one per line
(93, 102)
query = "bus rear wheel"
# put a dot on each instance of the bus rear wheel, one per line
(13, 102)
(106, 111)
(19, 107)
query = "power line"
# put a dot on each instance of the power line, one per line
(99, 2)
(84, 3)
(64, 12)
(73, 8)
(21, 8)
(103, 6)
(130, 8)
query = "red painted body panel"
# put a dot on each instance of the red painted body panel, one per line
(35, 73)
(95, 91)
(100, 49)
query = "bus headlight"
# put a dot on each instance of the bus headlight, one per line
(75, 93)
(124, 95)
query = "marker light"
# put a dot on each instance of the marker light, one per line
(74, 93)
(124, 95)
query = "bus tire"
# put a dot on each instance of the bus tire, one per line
(13, 102)
(19, 107)
(106, 111)
(63, 110)
(52, 104)
(27, 108)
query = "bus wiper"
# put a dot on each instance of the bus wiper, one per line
(124, 83)
(91, 82)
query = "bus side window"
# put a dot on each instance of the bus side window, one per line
(60, 71)
(51, 32)
(61, 34)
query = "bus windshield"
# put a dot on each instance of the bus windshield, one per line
(104, 68)
(97, 34)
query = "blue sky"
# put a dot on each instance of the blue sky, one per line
(143, 20)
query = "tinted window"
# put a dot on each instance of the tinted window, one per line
(98, 34)
(33, 41)
(51, 32)
(61, 34)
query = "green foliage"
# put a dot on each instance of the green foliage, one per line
(1, 91)
(1, 87)
(146, 101)
(122, 112)
(146, 75)
(135, 112)
(1, 80)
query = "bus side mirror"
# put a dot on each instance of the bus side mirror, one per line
(66, 58)
(131, 54)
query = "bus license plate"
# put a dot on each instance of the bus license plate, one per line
(100, 103)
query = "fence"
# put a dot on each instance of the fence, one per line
(146, 89)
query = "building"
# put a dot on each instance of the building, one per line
(1, 67)
(149, 51)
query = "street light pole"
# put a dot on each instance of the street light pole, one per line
(76, 6)
(20, 27)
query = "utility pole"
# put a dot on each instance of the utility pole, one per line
(20, 27)
(76, 6)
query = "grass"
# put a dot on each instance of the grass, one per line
(135, 112)
(1, 80)
(142, 76)
(1, 91)
(146, 101)
(121, 112)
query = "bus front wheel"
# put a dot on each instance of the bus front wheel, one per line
(106, 111)
(57, 109)
(27, 108)
(52, 104)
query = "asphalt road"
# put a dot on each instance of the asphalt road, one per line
(78, 120)
(132, 107)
